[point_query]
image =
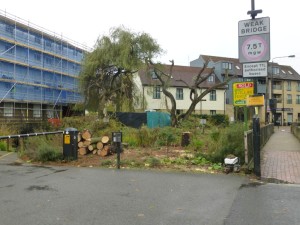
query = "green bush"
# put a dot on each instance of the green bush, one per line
(227, 141)
(2, 146)
(44, 148)
(48, 153)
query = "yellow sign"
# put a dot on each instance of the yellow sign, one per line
(256, 100)
(67, 139)
(240, 92)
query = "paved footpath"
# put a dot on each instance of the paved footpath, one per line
(281, 157)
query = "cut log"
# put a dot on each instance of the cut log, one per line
(80, 144)
(79, 138)
(95, 152)
(86, 143)
(99, 145)
(83, 151)
(86, 134)
(105, 151)
(105, 139)
(92, 147)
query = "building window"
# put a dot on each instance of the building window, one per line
(9, 29)
(275, 70)
(298, 99)
(179, 93)
(75, 53)
(48, 44)
(37, 111)
(156, 92)
(210, 78)
(298, 86)
(37, 40)
(226, 65)
(48, 60)
(8, 109)
(153, 75)
(37, 56)
(9, 49)
(213, 95)
(289, 99)
(213, 112)
(289, 86)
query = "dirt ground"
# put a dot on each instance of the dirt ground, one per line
(145, 158)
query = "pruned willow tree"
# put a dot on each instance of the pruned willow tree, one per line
(196, 92)
(107, 75)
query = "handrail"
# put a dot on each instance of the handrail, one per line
(30, 134)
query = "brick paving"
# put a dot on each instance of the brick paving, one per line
(281, 157)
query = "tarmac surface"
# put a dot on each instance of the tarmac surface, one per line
(280, 157)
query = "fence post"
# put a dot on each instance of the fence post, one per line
(256, 146)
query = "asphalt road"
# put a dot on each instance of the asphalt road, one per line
(31, 195)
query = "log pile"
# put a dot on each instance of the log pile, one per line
(95, 145)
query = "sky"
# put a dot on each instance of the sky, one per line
(183, 29)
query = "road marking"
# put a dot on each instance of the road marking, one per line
(5, 155)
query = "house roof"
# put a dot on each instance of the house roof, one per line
(285, 73)
(237, 66)
(179, 74)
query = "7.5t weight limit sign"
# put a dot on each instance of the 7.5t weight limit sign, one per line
(254, 40)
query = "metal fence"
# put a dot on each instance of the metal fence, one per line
(265, 133)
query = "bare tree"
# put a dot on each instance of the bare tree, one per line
(195, 97)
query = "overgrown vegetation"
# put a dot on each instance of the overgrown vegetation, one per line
(205, 149)
(43, 148)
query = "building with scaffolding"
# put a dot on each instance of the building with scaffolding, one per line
(38, 72)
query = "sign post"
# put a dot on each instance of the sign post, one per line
(254, 53)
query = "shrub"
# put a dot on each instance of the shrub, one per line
(44, 148)
(2, 146)
(227, 141)
(48, 153)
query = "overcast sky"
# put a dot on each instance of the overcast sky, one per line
(184, 29)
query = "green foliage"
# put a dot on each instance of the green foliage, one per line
(152, 162)
(44, 148)
(107, 72)
(2, 146)
(219, 119)
(201, 161)
(196, 144)
(227, 141)
(167, 136)
(48, 153)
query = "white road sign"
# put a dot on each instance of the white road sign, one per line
(254, 26)
(259, 69)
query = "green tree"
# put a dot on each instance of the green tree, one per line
(107, 71)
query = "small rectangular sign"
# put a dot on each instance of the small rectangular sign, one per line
(67, 139)
(254, 26)
(258, 100)
(240, 92)
(259, 69)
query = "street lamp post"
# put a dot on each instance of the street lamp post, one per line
(272, 77)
